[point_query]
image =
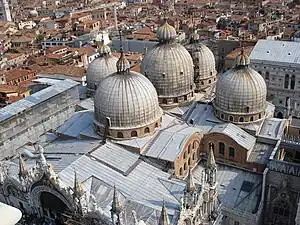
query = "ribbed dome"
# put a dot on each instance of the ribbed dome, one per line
(123, 64)
(166, 32)
(129, 100)
(170, 68)
(98, 70)
(241, 90)
(242, 60)
(204, 59)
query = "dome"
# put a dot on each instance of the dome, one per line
(130, 101)
(170, 68)
(33, 13)
(240, 93)
(204, 64)
(100, 68)
(166, 32)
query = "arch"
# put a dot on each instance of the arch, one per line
(120, 135)
(222, 116)
(176, 100)
(52, 204)
(280, 115)
(184, 166)
(221, 148)
(247, 109)
(194, 156)
(293, 81)
(185, 97)
(281, 211)
(180, 171)
(189, 149)
(134, 133)
(241, 119)
(259, 116)
(184, 155)
(286, 81)
(231, 118)
(251, 118)
(164, 101)
(231, 152)
(189, 161)
(187, 221)
(147, 130)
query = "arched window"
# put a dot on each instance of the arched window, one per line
(189, 161)
(259, 116)
(251, 118)
(267, 75)
(164, 101)
(286, 81)
(180, 171)
(147, 130)
(185, 97)
(202, 82)
(189, 149)
(280, 115)
(231, 118)
(184, 155)
(192, 121)
(175, 100)
(194, 144)
(156, 124)
(241, 119)
(247, 109)
(184, 166)
(222, 116)
(194, 156)
(281, 209)
(209, 81)
(133, 133)
(120, 135)
(293, 82)
(231, 152)
(221, 148)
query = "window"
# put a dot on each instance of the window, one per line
(286, 81)
(184, 155)
(180, 171)
(267, 77)
(222, 116)
(189, 149)
(120, 135)
(236, 223)
(189, 161)
(293, 82)
(259, 72)
(230, 118)
(241, 119)
(281, 208)
(195, 157)
(221, 148)
(156, 124)
(247, 109)
(231, 152)
(147, 130)
(133, 133)
(251, 118)
(209, 81)
(184, 166)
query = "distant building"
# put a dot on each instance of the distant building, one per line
(5, 11)
(279, 63)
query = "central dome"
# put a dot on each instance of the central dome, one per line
(170, 68)
(130, 102)
(240, 93)
(100, 68)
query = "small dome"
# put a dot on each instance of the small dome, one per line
(99, 69)
(130, 101)
(240, 93)
(33, 13)
(166, 32)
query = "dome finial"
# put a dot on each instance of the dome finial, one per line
(242, 59)
(166, 32)
(122, 64)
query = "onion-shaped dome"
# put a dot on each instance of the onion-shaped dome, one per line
(127, 101)
(240, 93)
(166, 32)
(100, 68)
(170, 68)
(205, 72)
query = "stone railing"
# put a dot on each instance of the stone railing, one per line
(284, 167)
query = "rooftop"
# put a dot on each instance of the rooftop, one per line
(276, 52)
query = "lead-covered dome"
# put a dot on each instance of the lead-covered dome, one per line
(100, 68)
(205, 72)
(240, 93)
(130, 102)
(169, 67)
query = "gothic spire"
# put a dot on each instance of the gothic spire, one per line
(211, 162)
(22, 168)
(116, 204)
(164, 218)
(78, 191)
(190, 186)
